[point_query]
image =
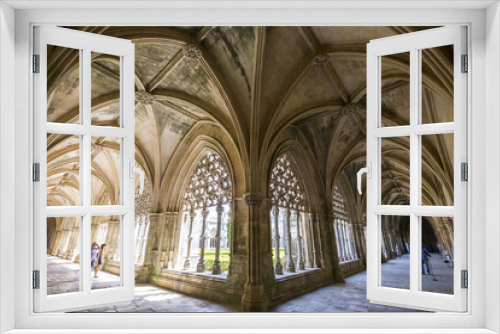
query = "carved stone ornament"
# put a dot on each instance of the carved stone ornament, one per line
(144, 97)
(192, 52)
(319, 61)
(209, 185)
(339, 209)
(284, 189)
(349, 109)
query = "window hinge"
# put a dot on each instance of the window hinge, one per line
(465, 279)
(36, 172)
(464, 171)
(465, 64)
(36, 63)
(36, 279)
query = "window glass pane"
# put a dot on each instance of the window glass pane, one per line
(395, 168)
(437, 85)
(63, 170)
(395, 83)
(437, 254)
(437, 169)
(105, 89)
(63, 255)
(106, 171)
(395, 243)
(63, 91)
(105, 252)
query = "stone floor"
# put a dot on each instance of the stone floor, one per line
(349, 296)
(64, 276)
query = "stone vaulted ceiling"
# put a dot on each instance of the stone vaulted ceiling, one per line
(256, 86)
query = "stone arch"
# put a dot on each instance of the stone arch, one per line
(204, 137)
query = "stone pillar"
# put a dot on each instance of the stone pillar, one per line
(316, 263)
(110, 241)
(153, 253)
(278, 268)
(74, 242)
(116, 241)
(336, 232)
(254, 298)
(450, 229)
(341, 242)
(321, 254)
(143, 235)
(352, 250)
(383, 247)
(200, 267)
(138, 239)
(358, 237)
(216, 269)
(306, 241)
(174, 221)
(345, 238)
(300, 261)
(187, 263)
(289, 265)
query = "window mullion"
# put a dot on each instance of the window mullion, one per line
(85, 168)
(414, 167)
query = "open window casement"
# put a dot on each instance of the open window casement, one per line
(388, 135)
(80, 206)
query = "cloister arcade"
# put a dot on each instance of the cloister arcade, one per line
(250, 139)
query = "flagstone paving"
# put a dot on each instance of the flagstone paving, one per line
(349, 296)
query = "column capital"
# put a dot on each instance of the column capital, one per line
(253, 199)
(219, 208)
(205, 212)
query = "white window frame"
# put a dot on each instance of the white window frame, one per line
(86, 43)
(484, 50)
(413, 43)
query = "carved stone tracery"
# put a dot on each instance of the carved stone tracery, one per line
(210, 184)
(284, 187)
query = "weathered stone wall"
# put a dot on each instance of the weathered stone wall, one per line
(352, 267)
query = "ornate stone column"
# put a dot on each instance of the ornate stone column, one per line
(278, 268)
(254, 298)
(300, 261)
(200, 267)
(289, 265)
(216, 269)
(187, 263)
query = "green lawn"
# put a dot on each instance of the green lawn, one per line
(210, 258)
(224, 258)
(282, 256)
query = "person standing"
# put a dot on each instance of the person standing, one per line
(100, 257)
(94, 254)
(425, 254)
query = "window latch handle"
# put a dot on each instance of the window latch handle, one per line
(141, 173)
(368, 171)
